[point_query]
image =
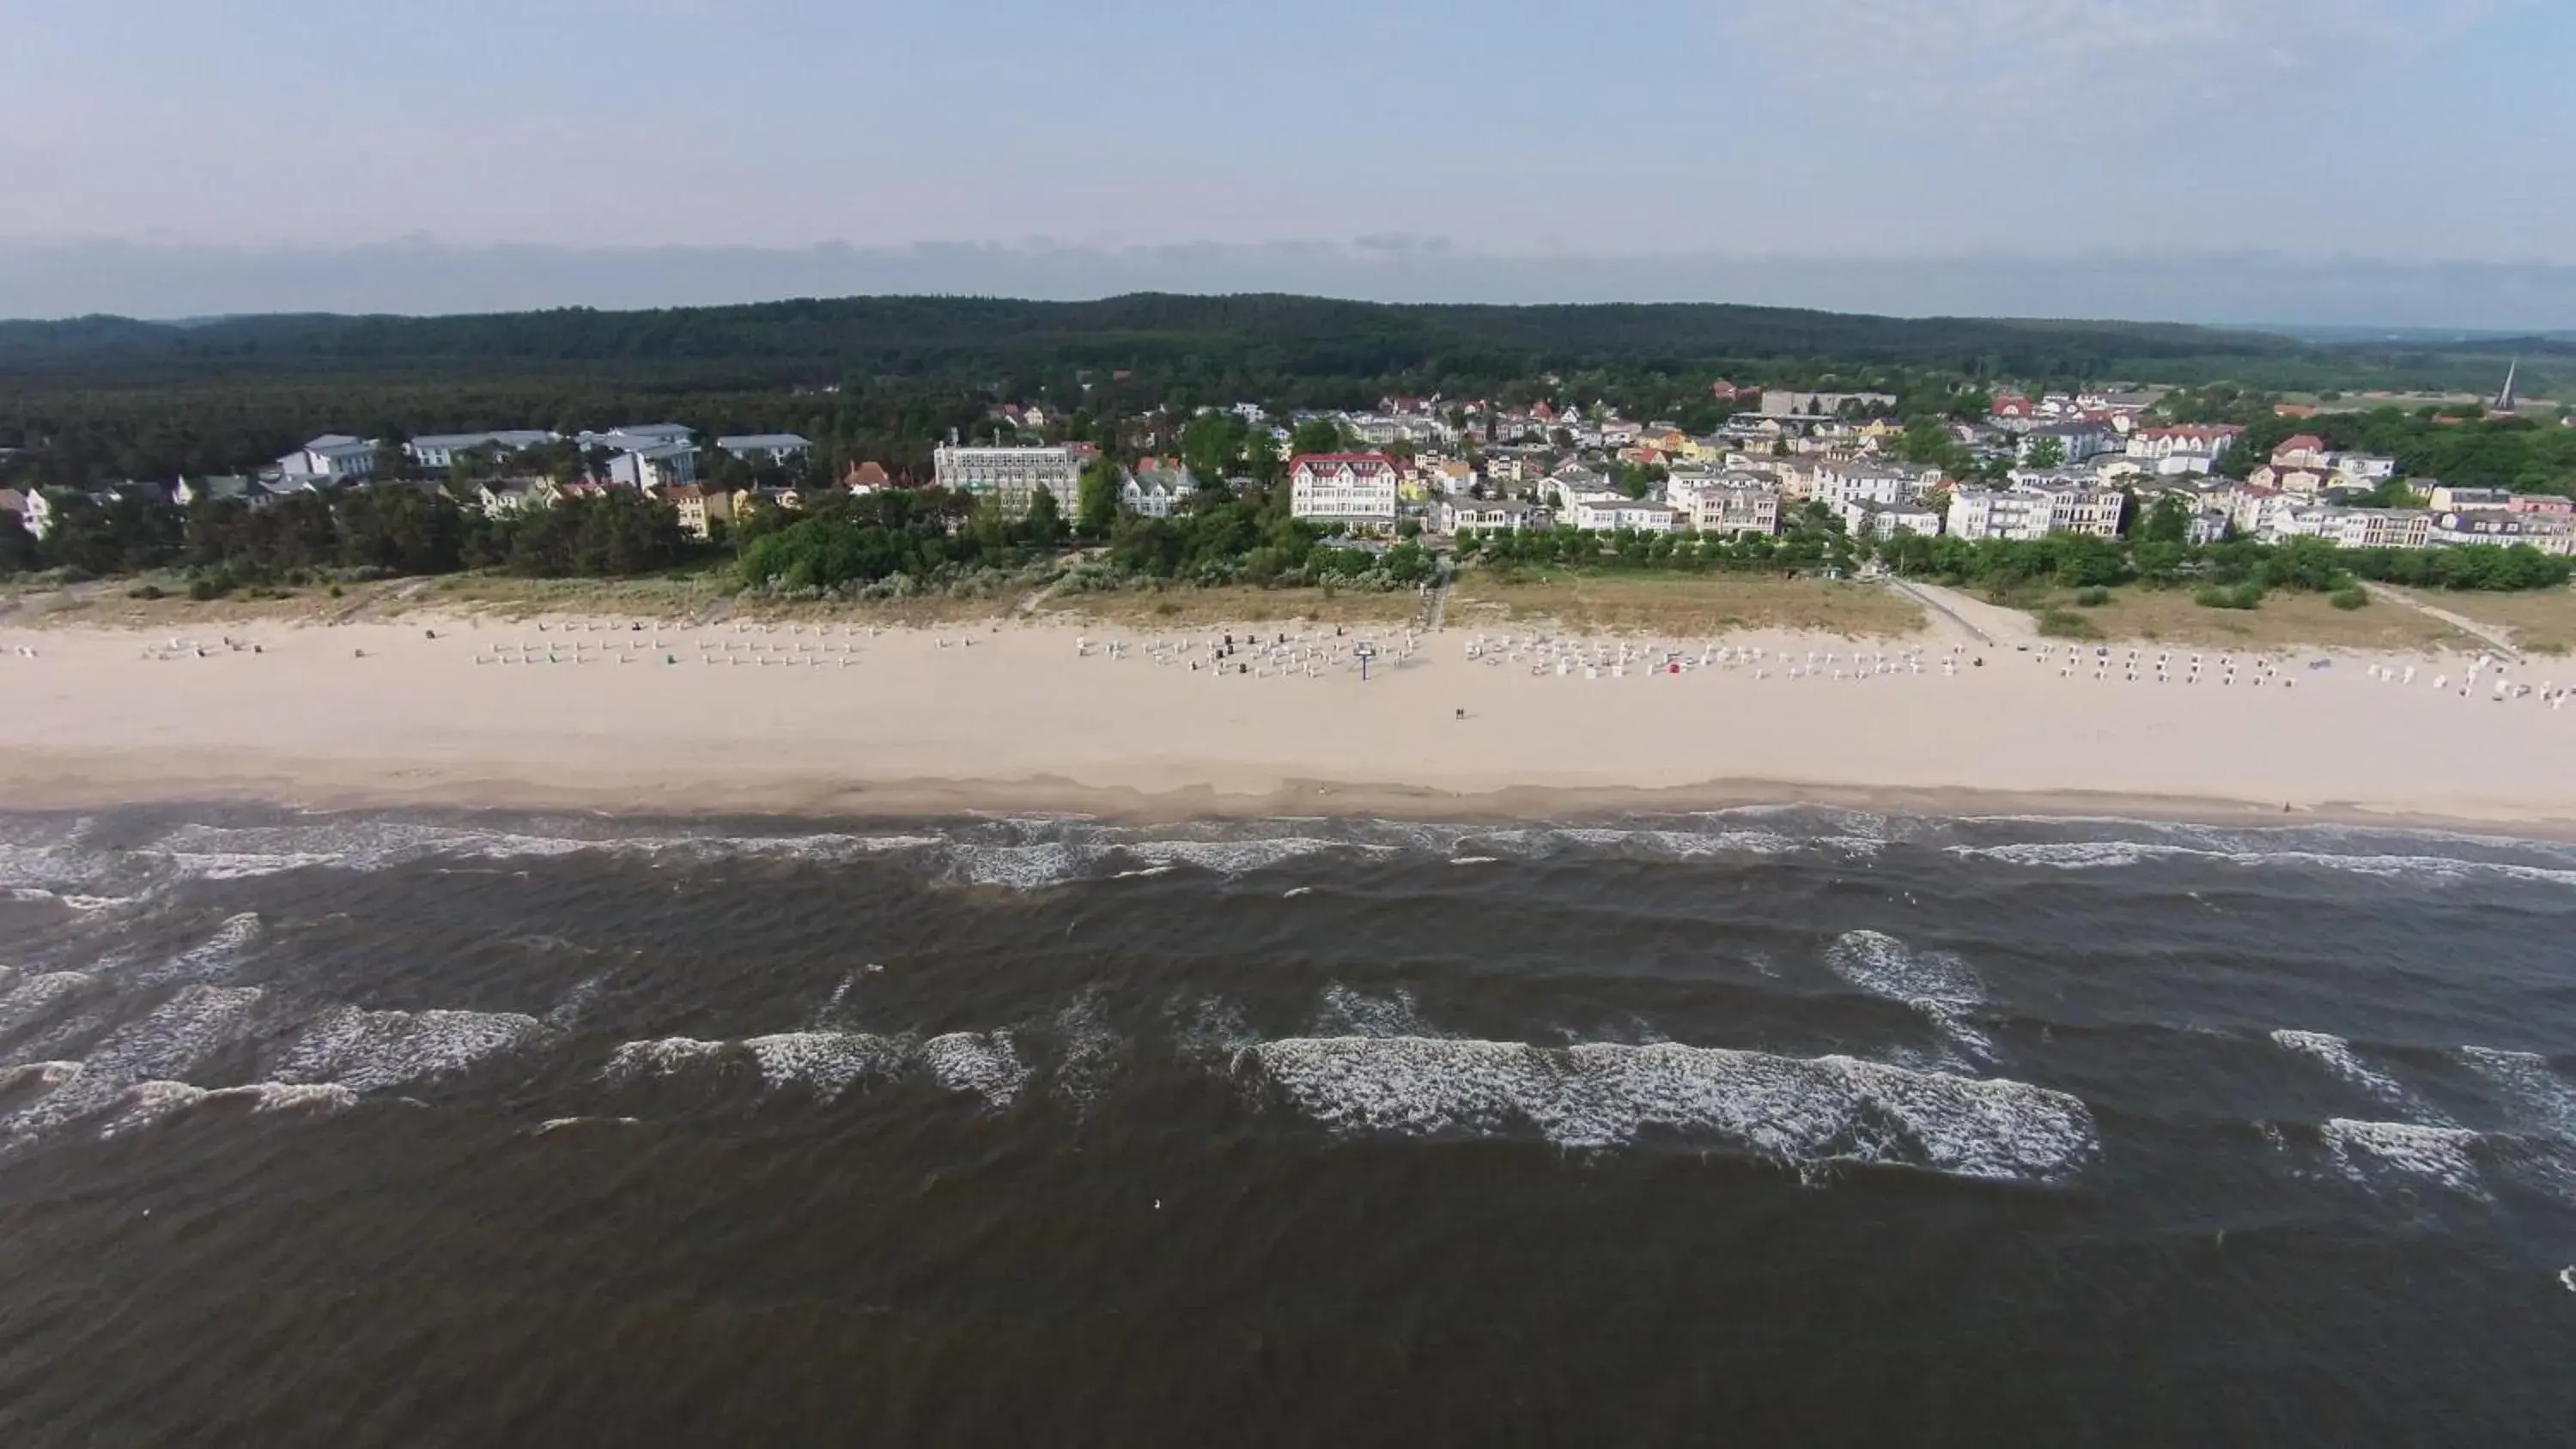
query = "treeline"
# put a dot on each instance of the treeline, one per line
(1811, 541)
(1236, 340)
(225, 543)
(2075, 561)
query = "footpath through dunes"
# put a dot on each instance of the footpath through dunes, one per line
(1259, 721)
(1227, 1097)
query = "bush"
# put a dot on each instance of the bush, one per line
(2059, 624)
(2230, 596)
(145, 591)
(2092, 598)
(2350, 598)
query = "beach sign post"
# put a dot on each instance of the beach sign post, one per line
(1364, 652)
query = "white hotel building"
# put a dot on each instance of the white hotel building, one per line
(1353, 488)
(1011, 477)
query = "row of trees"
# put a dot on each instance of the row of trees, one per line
(387, 530)
(2077, 561)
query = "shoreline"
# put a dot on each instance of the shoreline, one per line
(1044, 718)
(71, 783)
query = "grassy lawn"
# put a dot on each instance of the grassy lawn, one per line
(1694, 605)
(2285, 620)
(2543, 622)
(1189, 608)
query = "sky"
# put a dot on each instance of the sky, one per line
(2367, 161)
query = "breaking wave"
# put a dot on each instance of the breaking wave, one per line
(370, 1051)
(2379, 1153)
(830, 1063)
(1782, 1109)
(1941, 986)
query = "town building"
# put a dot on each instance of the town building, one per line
(1485, 515)
(1011, 477)
(2027, 512)
(1352, 488)
(1863, 518)
(1156, 488)
(2192, 448)
(2502, 527)
(1784, 403)
(700, 508)
(1609, 515)
(2357, 527)
(331, 459)
(647, 456)
(436, 452)
(771, 449)
(1730, 504)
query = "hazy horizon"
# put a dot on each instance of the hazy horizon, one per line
(2320, 162)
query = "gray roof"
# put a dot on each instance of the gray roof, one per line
(769, 441)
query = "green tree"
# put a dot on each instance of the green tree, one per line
(1045, 523)
(2044, 454)
(1315, 435)
(1097, 506)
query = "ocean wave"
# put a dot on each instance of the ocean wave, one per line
(213, 957)
(2372, 1153)
(1781, 1109)
(1356, 1013)
(370, 1051)
(1940, 985)
(174, 1038)
(146, 1103)
(2540, 1099)
(829, 1063)
(2115, 854)
(36, 995)
(2337, 1056)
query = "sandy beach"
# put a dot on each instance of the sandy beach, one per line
(625, 716)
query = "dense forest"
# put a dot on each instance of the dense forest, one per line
(885, 379)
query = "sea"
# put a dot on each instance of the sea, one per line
(1763, 1126)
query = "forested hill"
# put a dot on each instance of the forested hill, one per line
(1243, 341)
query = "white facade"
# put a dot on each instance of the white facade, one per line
(2026, 514)
(1011, 477)
(1881, 520)
(331, 458)
(2358, 527)
(1485, 515)
(2175, 451)
(437, 452)
(1156, 492)
(1611, 515)
(1730, 506)
(1840, 484)
(1357, 488)
(775, 448)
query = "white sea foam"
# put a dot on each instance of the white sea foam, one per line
(2337, 1056)
(211, 958)
(172, 1040)
(37, 995)
(984, 1063)
(145, 1103)
(358, 844)
(1086, 1051)
(2113, 854)
(1600, 1095)
(660, 1058)
(1936, 983)
(370, 1051)
(2368, 1152)
(2542, 1100)
(566, 1124)
(827, 1063)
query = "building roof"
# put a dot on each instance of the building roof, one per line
(1356, 462)
(770, 441)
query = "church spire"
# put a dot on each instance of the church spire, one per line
(2508, 400)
